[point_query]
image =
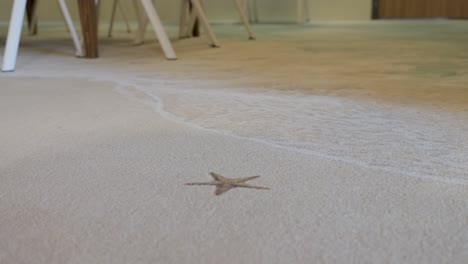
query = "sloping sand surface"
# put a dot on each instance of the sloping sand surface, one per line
(94, 154)
(92, 177)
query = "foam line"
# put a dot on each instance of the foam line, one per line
(159, 107)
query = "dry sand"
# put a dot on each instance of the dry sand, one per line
(91, 173)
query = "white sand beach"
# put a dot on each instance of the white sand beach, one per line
(365, 152)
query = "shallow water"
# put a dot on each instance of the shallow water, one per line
(413, 140)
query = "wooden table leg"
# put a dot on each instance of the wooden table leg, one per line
(30, 8)
(196, 27)
(88, 17)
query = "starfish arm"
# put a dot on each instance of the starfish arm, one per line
(246, 178)
(246, 185)
(220, 189)
(202, 183)
(218, 177)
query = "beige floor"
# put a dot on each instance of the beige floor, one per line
(92, 168)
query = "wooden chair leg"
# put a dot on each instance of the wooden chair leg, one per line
(200, 14)
(142, 24)
(159, 29)
(14, 35)
(112, 18)
(183, 14)
(141, 28)
(192, 27)
(124, 15)
(196, 25)
(31, 12)
(71, 28)
(116, 4)
(191, 24)
(244, 18)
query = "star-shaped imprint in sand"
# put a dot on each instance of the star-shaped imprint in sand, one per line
(224, 184)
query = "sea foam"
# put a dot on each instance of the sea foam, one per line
(409, 140)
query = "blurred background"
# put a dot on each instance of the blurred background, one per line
(221, 10)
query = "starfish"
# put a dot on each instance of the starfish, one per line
(224, 184)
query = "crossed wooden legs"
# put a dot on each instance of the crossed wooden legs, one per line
(112, 18)
(188, 18)
(151, 15)
(14, 31)
(191, 13)
(196, 13)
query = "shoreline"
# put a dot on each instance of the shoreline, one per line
(102, 180)
(159, 108)
(124, 88)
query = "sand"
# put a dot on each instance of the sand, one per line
(95, 155)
